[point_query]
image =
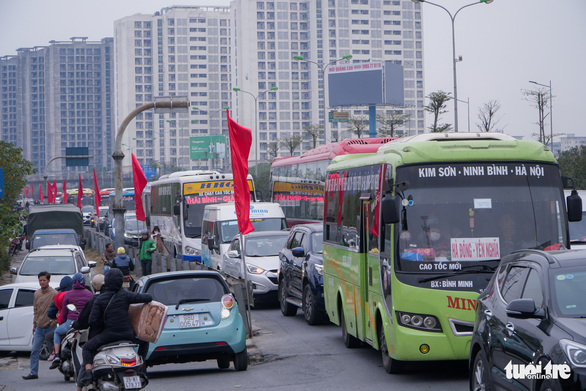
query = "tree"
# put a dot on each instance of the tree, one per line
(573, 164)
(540, 100)
(262, 181)
(358, 125)
(155, 165)
(16, 168)
(314, 131)
(437, 107)
(272, 150)
(487, 117)
(390, 122)
(291, 143)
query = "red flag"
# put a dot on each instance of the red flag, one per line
(140, 182)
(79, 193)
(54, 190)
(33, 189)
(49, 193)
(27, 191)
(65, 190)
(41, 193)
(240, 141)
(98, 196)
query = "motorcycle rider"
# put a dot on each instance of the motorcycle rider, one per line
(55, 313)
(83, 321)
(125, 264)
(110, 311)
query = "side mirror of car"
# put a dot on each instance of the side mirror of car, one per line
(13, 270)
(523, 309)
(390, 211)
(233, 254)
(92, 264)
(298, 252)
(84, 270)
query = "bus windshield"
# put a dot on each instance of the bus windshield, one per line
(471, 213)
(229, 229)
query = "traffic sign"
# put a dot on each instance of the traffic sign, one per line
(76, 156)
(149, 173)
(339, 116)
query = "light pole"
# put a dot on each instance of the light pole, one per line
(256, 140)
(550, 105)
(454, 59)
(323, 68)
(468, 103)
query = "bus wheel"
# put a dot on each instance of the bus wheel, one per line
(390, 365)
(350, 341)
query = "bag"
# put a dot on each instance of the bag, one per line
(147, 320)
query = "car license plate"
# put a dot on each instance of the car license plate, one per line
(132, 382)
(125, 284)
(188, 321)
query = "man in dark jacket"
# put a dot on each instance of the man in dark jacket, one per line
(110, 311)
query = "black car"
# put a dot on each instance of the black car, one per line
(530, 330)
(301, 274)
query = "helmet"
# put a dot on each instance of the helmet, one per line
(144, 232)
(121, 251)
(98, 282)
(78, 277)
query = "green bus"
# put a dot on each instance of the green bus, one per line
(414, 232)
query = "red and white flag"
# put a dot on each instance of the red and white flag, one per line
(140, 182)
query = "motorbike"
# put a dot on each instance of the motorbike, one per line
(15, 246)
(66, 353)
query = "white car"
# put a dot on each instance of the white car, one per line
(87, 211)
(59, 260)
(16, 316)
(261, 254)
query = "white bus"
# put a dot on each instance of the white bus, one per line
(176, 206)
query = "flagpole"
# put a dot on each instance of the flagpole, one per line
(248, 317)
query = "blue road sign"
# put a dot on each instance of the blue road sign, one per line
(1, 183)
(149, 173)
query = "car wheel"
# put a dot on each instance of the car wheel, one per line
(241, 360)
(287, 309)
(390, 365)
(312, 315)
(223, 363)
(479, 380)
(45, 352)
(350, 341)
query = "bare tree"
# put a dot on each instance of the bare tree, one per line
(358, 125)
(291, 143)
(487, 117)
(437, 107)
(540, 100)
(390, 122)
(272, 150)
(314, 131)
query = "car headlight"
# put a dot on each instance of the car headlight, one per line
(126, 235)
(575, 352)
(419, 321)
(319, 269)
(252, 269)
(192, 251)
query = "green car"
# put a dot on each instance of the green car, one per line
(203, 322)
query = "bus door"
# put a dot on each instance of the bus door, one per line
(367, 259)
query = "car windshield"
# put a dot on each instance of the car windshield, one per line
(267, 246)
(87, 209)
(567, 284)
(229, 229)
(132, 225)
(172, 291)
(51, 239)
(317, 242)
(32, 266)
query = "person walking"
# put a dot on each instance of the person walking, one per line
(42, 300)
(107, 256)
(145, 255)
(158, 239)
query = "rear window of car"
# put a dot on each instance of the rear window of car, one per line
(49, 239)
(197, 289)
(32, 266)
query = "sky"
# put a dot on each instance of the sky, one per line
(503, 46)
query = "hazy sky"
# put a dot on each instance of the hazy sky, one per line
(504, 45)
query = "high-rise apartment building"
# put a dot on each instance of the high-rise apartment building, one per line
(205, 52)
(58, 96)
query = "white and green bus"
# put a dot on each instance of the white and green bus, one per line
(414, 232)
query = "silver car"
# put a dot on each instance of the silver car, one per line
(261, 255)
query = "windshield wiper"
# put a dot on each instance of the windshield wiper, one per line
(455, 273)
(189, 301)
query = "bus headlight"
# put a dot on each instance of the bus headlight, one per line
(419, 321)
(192, 251)
(254, 269)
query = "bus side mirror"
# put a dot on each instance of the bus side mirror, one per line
(177, 209)
(259, 195)
(210, 244)
(574, 204)
(390, 211)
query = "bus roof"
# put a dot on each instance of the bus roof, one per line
(330, 151)
(193, 176)
(84, 191)
(450, 147)
(227, 211)
(125, 192)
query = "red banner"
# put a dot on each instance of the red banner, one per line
(65, 190)
(54, 191)
(41, 193)
(240, 141)
(79, 192)
(50, 195)
(98, 196)
(140, 182)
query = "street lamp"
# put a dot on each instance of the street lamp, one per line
(454, 59)
(323, 75)
(468, 103)
(550, 105)
(257, 142)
